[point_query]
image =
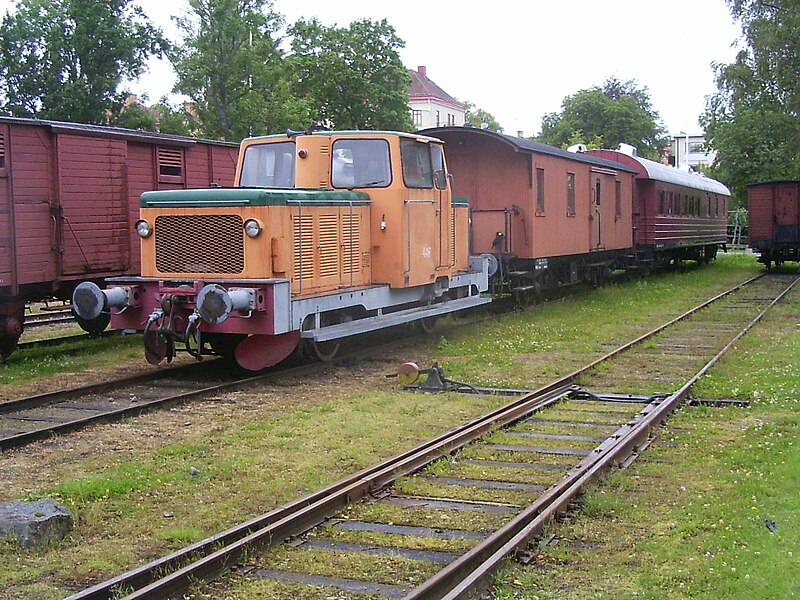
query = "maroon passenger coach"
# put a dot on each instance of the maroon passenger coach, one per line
(69, 200)
(677, 215)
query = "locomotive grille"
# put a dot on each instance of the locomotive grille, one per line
(199, 244)
(452, 237)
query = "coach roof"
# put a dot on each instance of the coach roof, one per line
(523, 145)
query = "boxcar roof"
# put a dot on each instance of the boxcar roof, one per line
(524, 145)
(104, 131)
(773, 182)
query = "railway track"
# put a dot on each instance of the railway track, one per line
(53, 317)
(436, 521)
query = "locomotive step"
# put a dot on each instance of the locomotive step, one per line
(340, 330)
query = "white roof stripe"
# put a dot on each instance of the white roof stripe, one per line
(669, 174)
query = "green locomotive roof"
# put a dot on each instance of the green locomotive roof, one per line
(251, 197)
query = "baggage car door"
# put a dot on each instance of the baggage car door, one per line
(595, 213)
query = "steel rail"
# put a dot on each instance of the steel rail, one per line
(473, 570)
(217, 552)
(273, 527)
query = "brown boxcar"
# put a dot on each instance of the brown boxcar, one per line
(548, 215)
(676, 215)
(69, 199)
(773, 220)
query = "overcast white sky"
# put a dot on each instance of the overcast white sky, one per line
(518, 59)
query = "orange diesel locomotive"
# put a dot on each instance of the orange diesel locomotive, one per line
(326, 235)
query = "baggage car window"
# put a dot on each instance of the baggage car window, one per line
(617, 198)
(570, 194)
(360, 164)
(268, 165)
(539, 191)
(417, 169)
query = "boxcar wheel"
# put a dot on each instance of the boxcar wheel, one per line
(93, 326)
(7, 346)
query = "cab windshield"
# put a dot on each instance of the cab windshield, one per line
(268, 165)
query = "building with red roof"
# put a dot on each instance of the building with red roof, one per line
(430, 105)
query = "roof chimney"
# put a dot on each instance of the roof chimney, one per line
(422, 72)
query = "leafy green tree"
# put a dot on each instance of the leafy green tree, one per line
(67, 59)
(352, 76)
(752, 120)
(618, 112)
(136, 116)
(230, 64)
(477, 117)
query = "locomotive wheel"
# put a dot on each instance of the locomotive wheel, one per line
(425, 325)
(321, 351)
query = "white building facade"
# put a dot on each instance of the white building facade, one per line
(430, 105)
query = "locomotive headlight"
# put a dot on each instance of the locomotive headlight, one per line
(144, 229)
(252, 228)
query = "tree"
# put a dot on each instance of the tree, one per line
(231, 66)
(618, 112)
(67, 59)
(352, 76)
(477, 117)
(752, 120)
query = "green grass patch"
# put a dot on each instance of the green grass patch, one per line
(38, 362)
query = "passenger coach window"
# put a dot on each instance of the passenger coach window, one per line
(617, 198)
(268, 165)
(417, 168)
(360, 163)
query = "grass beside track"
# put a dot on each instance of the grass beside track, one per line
(146, 486)
(713, 516)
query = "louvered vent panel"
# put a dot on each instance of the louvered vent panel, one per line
(328, 245)
(303, 227)
(350, 243)
(2, 150)
(453, 237)
(199, 244)
(170, 161)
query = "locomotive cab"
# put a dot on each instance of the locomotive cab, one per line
(325, 235)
